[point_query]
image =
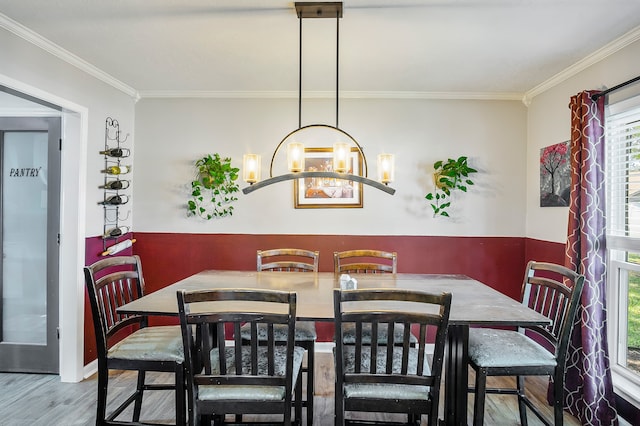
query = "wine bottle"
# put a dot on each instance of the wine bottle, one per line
(118, 170)
(115, 200)
(116, 152)
(116, 232)
(116, 185)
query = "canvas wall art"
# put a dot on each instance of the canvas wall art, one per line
(555, 175)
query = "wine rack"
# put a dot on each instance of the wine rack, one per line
(115, 183)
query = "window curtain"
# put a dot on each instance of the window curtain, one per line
(588, 386)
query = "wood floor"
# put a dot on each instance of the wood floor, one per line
(41, 400)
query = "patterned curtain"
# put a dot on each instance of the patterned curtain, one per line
(588, 388)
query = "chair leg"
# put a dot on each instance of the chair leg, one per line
(558, 399)
(297, 403)
(137, 406)
(103, 382)
(180, 396)
(287, 416)
(481, 389)
(339, 407)
(310, 381)
(414, 419)
(522, 407)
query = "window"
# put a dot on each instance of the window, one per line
(623, 244)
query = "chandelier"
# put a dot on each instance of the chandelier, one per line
(342, 142)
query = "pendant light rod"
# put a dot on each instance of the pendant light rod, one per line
(337, 63)
(318, 10)
(300, 74)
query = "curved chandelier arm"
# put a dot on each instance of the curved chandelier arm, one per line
(355, 142)
(330, 175)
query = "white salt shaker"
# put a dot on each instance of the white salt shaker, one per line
(344, 281)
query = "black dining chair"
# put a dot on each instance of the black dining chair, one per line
(554, 291)
(111, 283)
(389, 378)
(293, 260)
(231, 376)
(367, 261)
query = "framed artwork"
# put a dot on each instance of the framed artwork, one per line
(555, 175)
(320, 193)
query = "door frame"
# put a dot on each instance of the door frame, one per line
(73, 184)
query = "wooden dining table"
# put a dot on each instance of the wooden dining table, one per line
(473, 304)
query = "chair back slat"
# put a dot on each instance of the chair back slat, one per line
(288, 260)
(365, 262)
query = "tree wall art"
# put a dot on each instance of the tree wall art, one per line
(555, 175)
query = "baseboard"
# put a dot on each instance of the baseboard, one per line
(90, 369)
(325, 347)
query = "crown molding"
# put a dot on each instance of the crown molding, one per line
(52, 48)
(491, 96)
(597, 56)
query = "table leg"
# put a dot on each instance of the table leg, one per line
(456, 375)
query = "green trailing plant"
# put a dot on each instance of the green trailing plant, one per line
(449, 176)
(213, 190)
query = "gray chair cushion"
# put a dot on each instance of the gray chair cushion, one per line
(503, 348)
(349, 334)
(305, 331)
(161, 343)
(384, 391)
(262, 393)
(381, 360)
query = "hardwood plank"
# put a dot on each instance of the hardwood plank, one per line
(41, 400)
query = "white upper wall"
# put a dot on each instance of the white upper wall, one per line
(57, 79)
(171, 134)
(549, 122)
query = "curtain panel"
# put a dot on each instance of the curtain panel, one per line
(588, 386)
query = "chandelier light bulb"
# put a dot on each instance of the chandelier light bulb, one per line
(295, 157)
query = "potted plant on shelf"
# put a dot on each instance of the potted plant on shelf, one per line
(213, 190)
(448, 176)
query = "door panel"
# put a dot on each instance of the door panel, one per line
(29, 148)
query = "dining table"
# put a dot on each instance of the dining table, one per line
(473, 304)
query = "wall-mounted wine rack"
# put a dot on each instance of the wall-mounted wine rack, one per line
(114, 183)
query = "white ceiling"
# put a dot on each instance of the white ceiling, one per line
(441, 46)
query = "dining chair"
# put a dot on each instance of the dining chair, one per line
(113, 282)
(390, 378)
(365, 261)
(293, 260)
(231, 377)
(554, 291)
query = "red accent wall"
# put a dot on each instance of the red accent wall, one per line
(544, 251)
(167, 258)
